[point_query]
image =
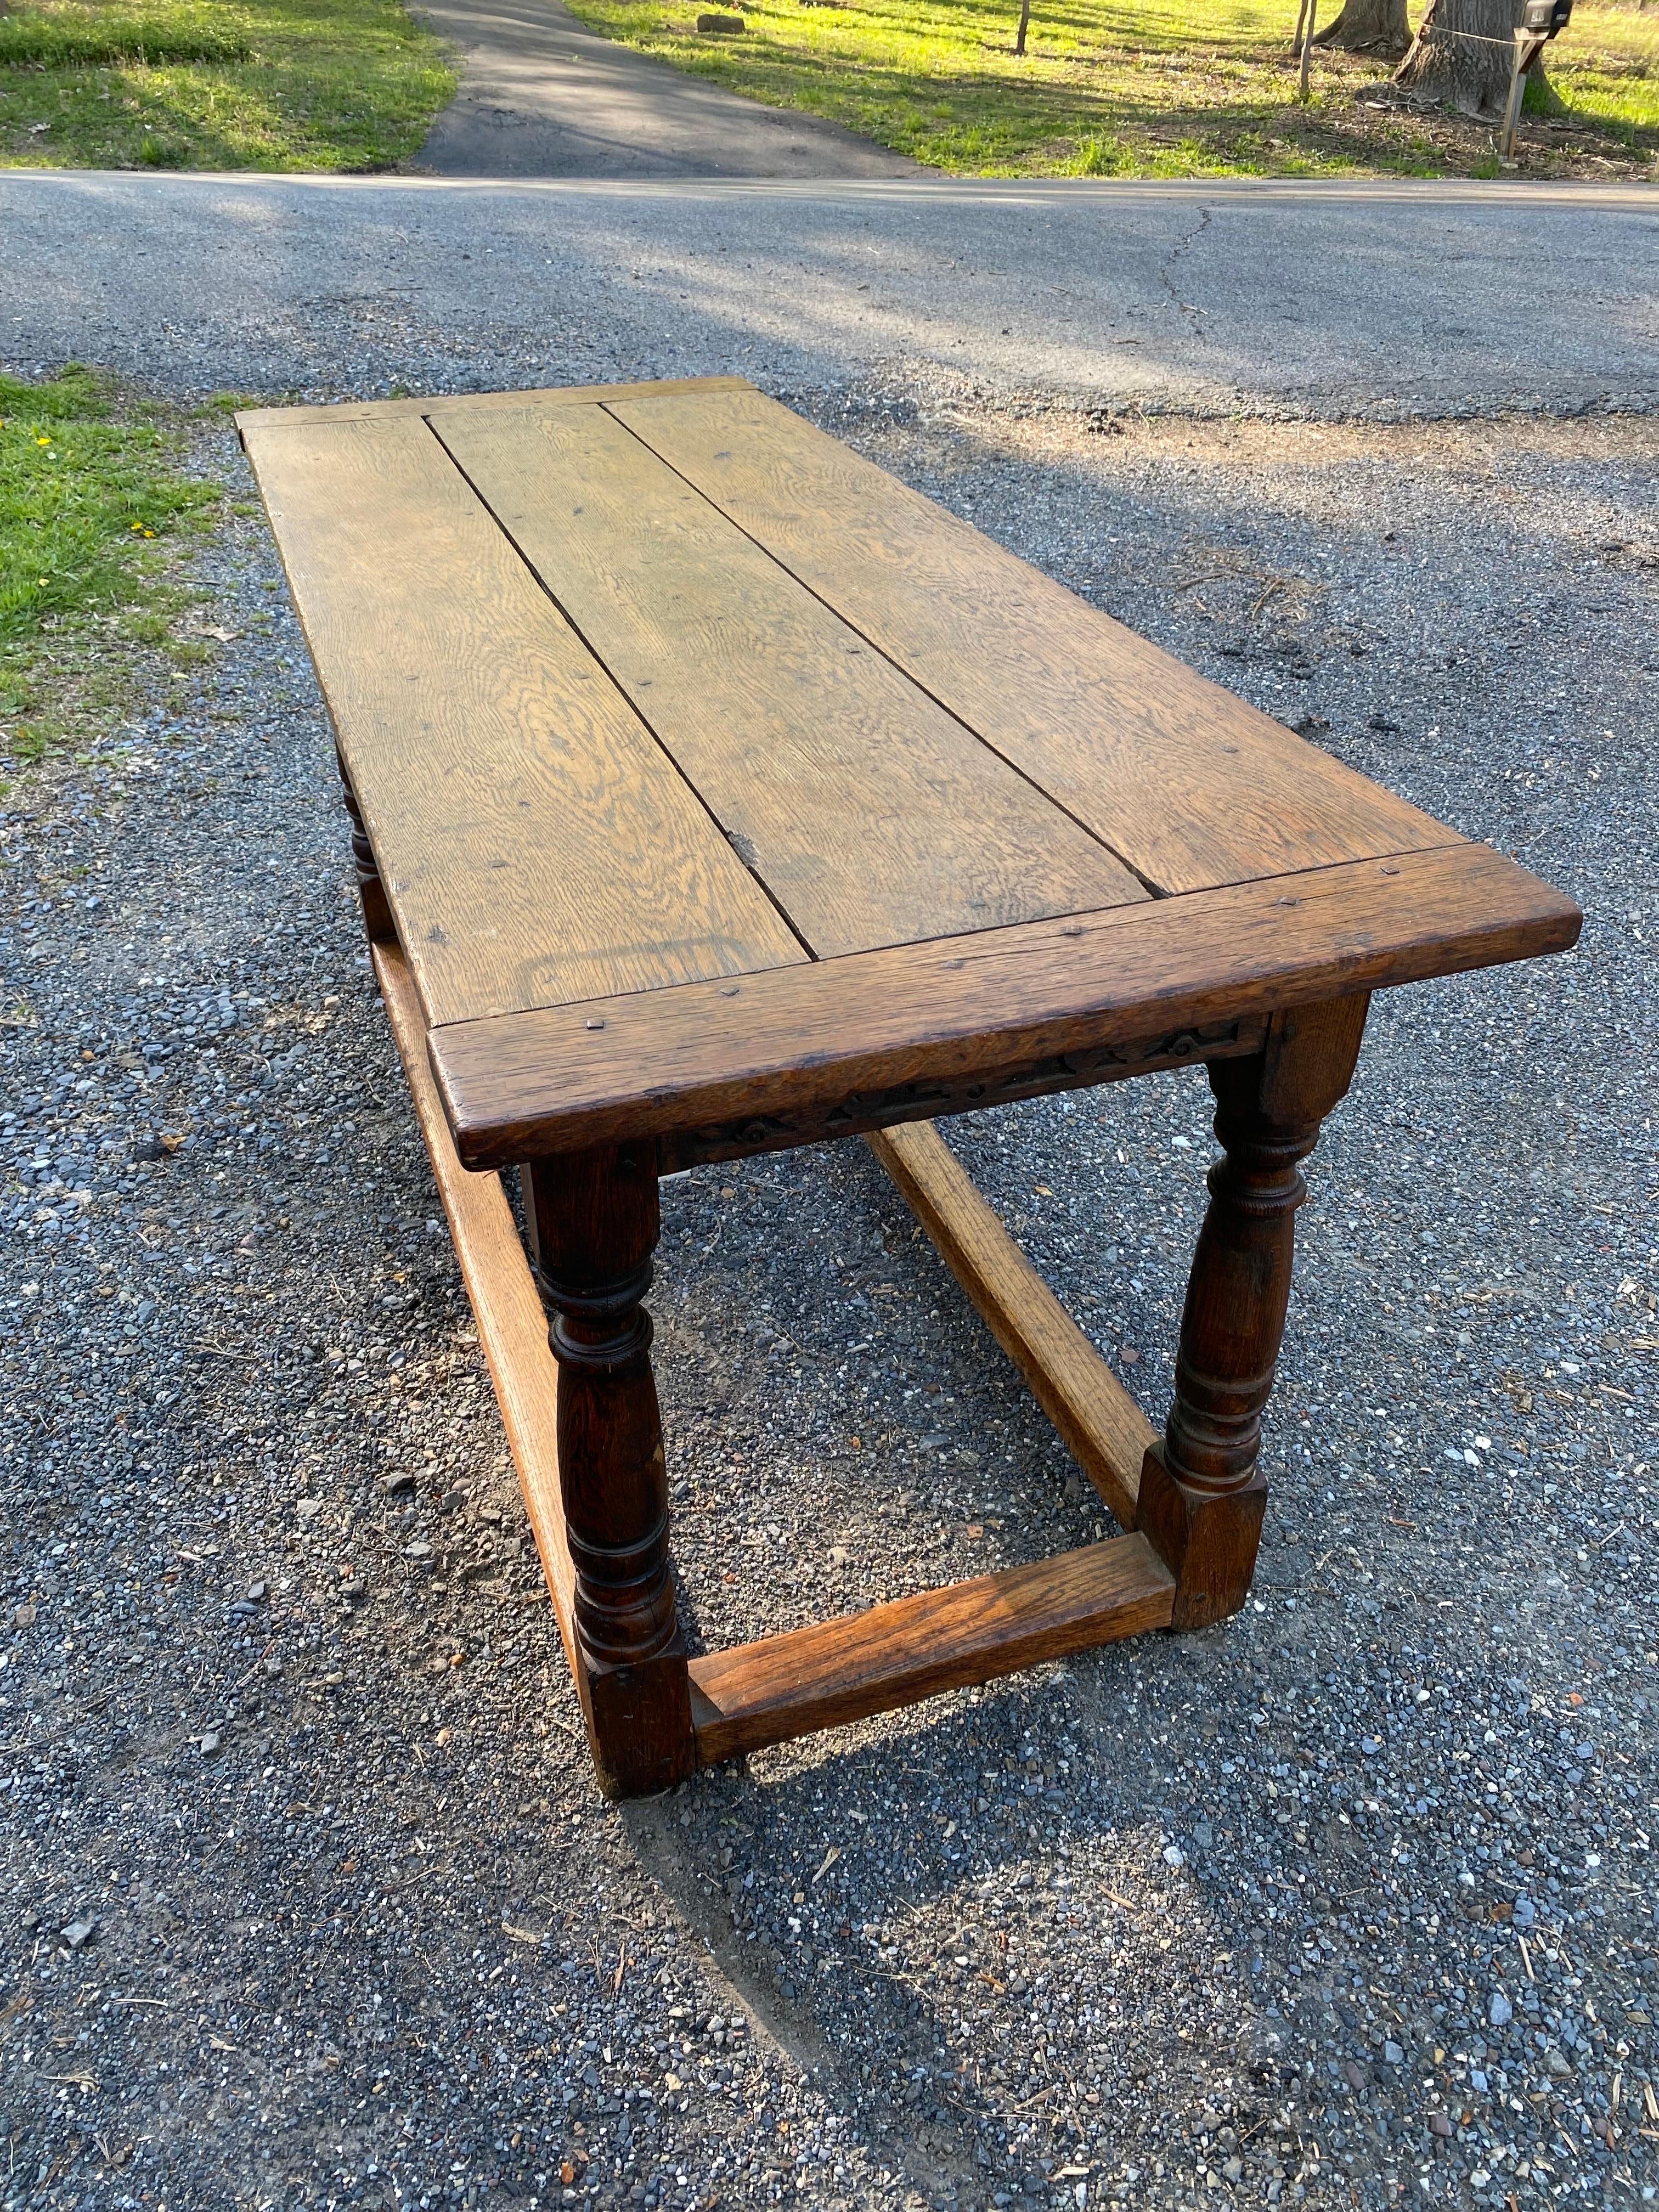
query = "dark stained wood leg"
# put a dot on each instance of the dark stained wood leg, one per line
(378, 924)
(594, 1224)
(1201, 1490)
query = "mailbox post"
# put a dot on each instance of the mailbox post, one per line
(1540, 22)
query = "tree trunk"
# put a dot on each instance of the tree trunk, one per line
(1462, 56)
(1369, 27)
(1024, 22)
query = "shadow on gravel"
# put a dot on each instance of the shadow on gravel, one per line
(976, 1908)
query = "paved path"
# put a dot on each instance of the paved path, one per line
(1385, 299)
(543, 96)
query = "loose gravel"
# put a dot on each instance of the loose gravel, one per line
(308, 1897)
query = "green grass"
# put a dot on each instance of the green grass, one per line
(217, 84)
(94, 511)
(1107, 88)
(1128, 88)
(1610, 74)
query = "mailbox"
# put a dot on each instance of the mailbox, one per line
(1545, 18)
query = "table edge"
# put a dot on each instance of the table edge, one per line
(555, 1079)
(449, 403)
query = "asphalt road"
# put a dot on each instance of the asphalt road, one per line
(1375, 299)
(541, 95)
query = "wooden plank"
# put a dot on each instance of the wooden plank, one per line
(512, 1325)
(1189, 785)
(893, 1655)
(797, 1045)
(442, 406)
(535, 843)
(871, 815)
(1097, 1419)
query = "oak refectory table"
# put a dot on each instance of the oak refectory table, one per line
(711, 792)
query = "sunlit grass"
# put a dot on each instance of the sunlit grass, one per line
(1611, 73)
(1146, 88)
(94, 511)
(217, 84)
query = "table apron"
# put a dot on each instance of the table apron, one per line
(841, 1112)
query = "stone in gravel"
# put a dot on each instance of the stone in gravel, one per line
(1500, 2012)
(209, 1743)
(79, 1933)
(395, 1485)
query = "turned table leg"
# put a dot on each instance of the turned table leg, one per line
(1201, 1490)
(378, 925)
(594, 1224)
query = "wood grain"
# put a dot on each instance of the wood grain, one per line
(1097, 1419)
(593, 1223)
(441, 405)
(852, 1114)
(1188, 784)
(871, 816)
(871, 1662)
(1202, 1494)
(535, 843)
(798, 1040)
(512, 1325)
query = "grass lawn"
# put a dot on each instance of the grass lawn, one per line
(95, 512)
(1144, 88)
(216, 84)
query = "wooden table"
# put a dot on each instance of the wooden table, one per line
(711, 792)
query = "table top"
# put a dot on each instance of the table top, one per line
(696, 751)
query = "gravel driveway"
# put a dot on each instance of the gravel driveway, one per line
(308, 1898)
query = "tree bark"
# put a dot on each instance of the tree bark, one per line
(1462, 55)
(1024, 25)
(1369, 27)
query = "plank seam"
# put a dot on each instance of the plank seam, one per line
(1152, 890)
(1123, 915)
(644, 721)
